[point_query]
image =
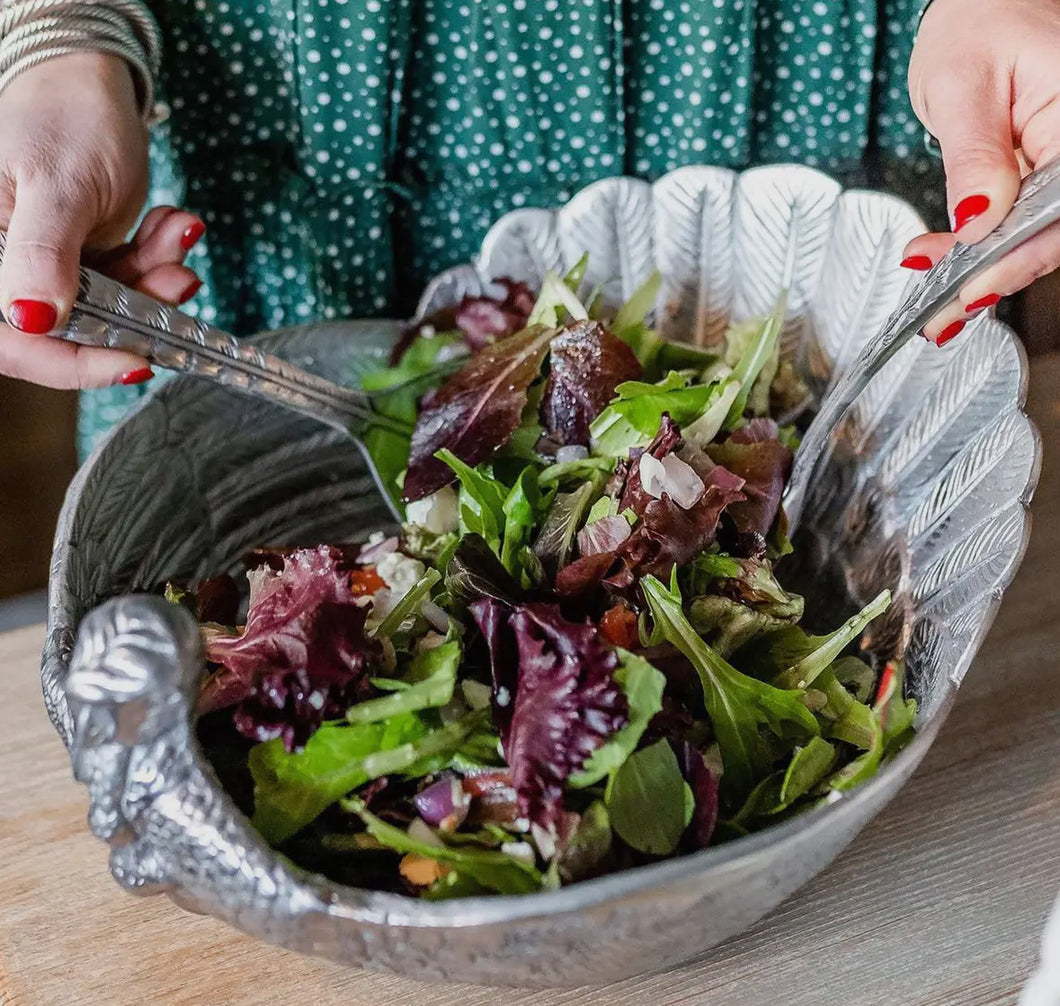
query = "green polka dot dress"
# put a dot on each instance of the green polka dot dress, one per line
(341, 152)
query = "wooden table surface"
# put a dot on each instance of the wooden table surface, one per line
(940, 902)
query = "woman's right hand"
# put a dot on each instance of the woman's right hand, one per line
(73, 176)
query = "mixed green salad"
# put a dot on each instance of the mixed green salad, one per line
(576, 655)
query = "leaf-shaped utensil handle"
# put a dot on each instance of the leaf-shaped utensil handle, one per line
(111, 316)
(1037, 208)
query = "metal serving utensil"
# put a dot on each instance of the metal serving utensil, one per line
(108, 315)
(1037, 207)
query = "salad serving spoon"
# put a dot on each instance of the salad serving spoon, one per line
(108, 315)
(1037, 208)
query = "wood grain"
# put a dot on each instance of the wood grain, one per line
(939, 903)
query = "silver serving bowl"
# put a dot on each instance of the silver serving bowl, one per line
(925, 493)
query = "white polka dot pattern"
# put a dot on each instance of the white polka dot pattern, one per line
(341, 152)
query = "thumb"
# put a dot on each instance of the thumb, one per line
(972, 120)
(39, 273)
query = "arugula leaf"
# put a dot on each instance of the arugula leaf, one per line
(736, 704)
(575, 471)
(521, 508)
(433, 674)
(476, 411)
(495, 871)
(290, 790)
(555, 542)
(481, 501)
(555, 300)
(634, 416)
(630, 324)
(649, 802)
(576, 274)
(408, 604)
(643, 686)
(807, 768)
(807, 656)
(760, 350)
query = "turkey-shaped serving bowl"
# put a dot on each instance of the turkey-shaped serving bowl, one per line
(925, 493)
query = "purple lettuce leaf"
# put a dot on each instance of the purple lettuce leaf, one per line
(302, 657)
(565, 704)
(587, 363)
(704, 786)
(476, 411)
(479, 319)
(764, 463)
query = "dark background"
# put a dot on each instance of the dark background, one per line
(37, 455)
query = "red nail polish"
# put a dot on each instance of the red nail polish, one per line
(968, 209)
(921, 263)
(34, 317)
(137, 376)
(191, 236)
(982, 304)
(191, 291)
(950, 333)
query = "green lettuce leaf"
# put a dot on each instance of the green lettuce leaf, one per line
(643, 687)
(649, 802)
(556, 301)
(633, 418)
(291, 790)
(433, 677)
(804, 657)
(737, 705)
(759, 351)
(495, 871)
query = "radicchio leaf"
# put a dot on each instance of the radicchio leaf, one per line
(565, 704)
(764, 463)
(587, 363)
(704, 786)
(479, 319)
(302, 657)
(476, 411)
(665, 535)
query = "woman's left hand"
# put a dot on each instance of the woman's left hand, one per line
(985, 82)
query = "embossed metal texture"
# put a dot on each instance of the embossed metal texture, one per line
(924, 492)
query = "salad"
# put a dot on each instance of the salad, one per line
(576, 655)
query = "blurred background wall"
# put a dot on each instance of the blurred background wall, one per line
(37, 457)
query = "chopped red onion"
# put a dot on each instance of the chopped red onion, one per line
(671, 477)
(444, 804)
(571, 452)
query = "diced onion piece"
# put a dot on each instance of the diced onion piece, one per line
(571, 452)
(671, 477)
(437, 513)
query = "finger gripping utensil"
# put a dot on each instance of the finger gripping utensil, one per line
(1037, 208)
(108, 315)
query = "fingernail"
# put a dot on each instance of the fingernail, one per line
(34, 317)
(968, 209)
(950, 333)
(191, 236)
(191, 291)
(981, 305)
(921, 263)
(137, 376)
